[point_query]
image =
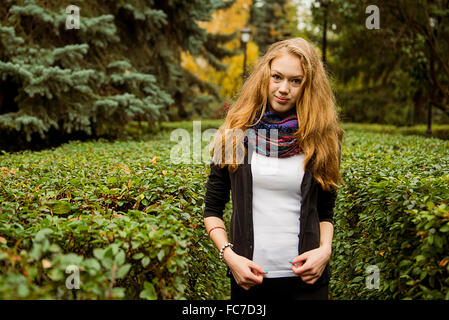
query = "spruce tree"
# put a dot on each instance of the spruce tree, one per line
(121, 64)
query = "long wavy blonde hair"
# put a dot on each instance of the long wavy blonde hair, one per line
(319, 133)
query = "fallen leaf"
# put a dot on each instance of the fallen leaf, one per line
(46, 263)
(444, 262)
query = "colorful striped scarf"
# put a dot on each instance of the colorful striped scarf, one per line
(286, 145)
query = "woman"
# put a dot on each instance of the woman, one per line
(283, 180)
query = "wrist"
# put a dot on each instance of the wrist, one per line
(327, 249)
(223, 249)
(228, 253)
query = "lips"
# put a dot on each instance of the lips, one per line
(281, 100)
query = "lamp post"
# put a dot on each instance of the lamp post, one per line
(325, 5)
(433, 24)
(246, 32)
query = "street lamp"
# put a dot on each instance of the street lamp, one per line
(325, 5)
(433, 24)
(246, 32)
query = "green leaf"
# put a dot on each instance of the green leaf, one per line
(107, 262)
(92, 265)
(120, 258)
(61, 207)
(148, 292)
(55, 275)
(161, 255)
(122, 271)
(98, 253)
(423, 275)
(118, 293)
(145, 261)
(42, 234)
(23, 290)
(138, 256)
(419, 258)
(36, 251)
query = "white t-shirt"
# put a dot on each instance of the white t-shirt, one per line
(276, 212)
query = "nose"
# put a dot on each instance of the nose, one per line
(284, 87)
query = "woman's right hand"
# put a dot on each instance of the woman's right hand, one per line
(246, 273)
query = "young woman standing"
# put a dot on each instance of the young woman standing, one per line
(283, 170)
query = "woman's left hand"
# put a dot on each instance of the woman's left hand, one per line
(310, 265)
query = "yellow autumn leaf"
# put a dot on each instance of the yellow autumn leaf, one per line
(46, 263)
(153, 160)
(233, 19)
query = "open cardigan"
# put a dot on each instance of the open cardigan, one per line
(317, 205)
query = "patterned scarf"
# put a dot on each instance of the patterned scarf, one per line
(286, 144)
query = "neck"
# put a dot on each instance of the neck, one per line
(285, 114)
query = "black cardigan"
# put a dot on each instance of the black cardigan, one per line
(316, 206)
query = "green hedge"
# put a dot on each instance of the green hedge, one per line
(131, 220)
(393, 213)
(439, 131)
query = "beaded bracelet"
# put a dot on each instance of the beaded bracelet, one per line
(216, 228)
(224, 247)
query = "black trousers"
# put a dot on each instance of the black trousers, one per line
(289, 288)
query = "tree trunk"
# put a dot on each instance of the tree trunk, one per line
(419, 109)
(182, 114)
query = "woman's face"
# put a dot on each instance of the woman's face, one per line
(285, 82)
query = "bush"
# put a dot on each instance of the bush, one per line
(121, 213)
(439, 131)
(130, 221)
(392, 213)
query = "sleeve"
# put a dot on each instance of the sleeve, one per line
(326, 199)
(217, 191)
(326, 203)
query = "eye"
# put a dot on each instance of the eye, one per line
(276, 77)
(297, 81)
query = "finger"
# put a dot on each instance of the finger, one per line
(309, 280)
(255, 279)
(244, 283)
(297, 265)
(299, 259)
(303, 269)
(256, 269)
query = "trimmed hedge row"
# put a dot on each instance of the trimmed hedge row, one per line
(120, 213)
(130, 221)
(439, 131)
(393, 213)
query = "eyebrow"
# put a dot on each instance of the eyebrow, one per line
(298, 76)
